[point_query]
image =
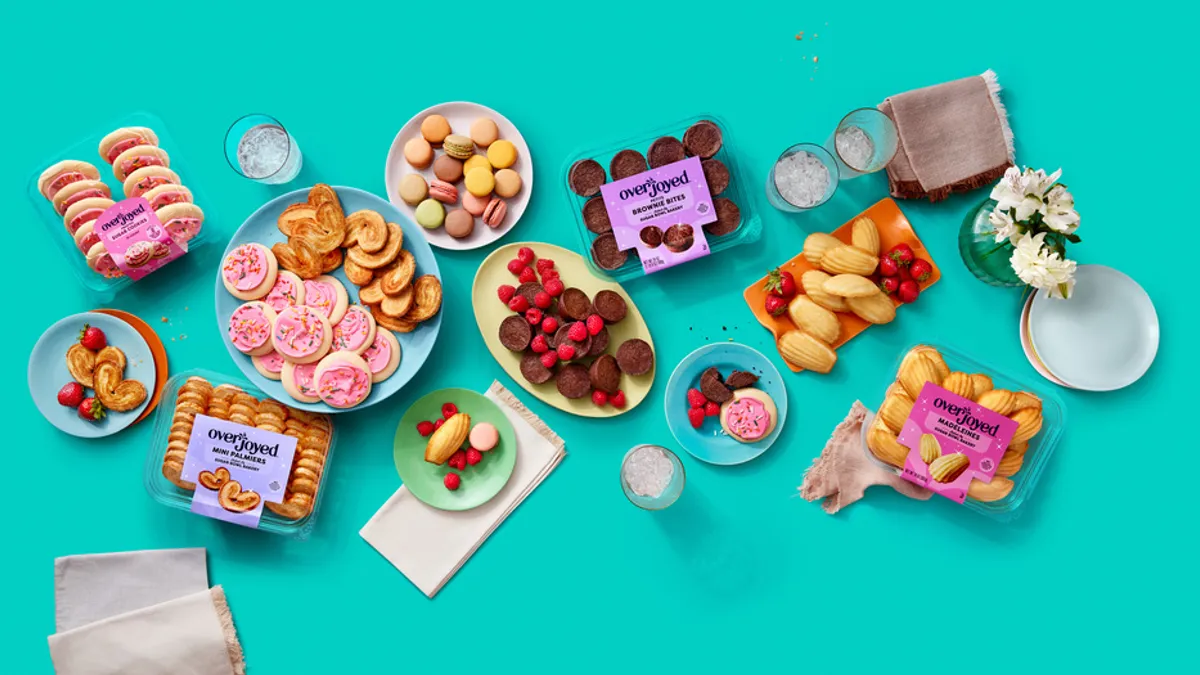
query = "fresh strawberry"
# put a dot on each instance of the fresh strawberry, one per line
(516, 266)
(599, 398)
(904, 275)
(889, 285)
(696, 417)
(533, 315)
(449, 410)
(506, 292)
(776, 305)
(696, 398)
(92, 338)
(578, 332)
(458, 460)
(902, 253)
(711, 409)
(525, 255)
(550, 358)
(71, 395)
(544, 264)
(539, 345)
(542, 300)
(518, 303)
(566, 352)
(474, 456)
(527, 275)
(549, 325)
(909, 291)
(618, 399)
(452, 481)
(888, 266)
(594, 324)
(920, 269)
(90, 409)
(437, 424)
(554, 287)
(425, 428)
(781, 283)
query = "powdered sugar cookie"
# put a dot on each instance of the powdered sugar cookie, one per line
(250, 328)
(167, 194)
(86, 237)
(147, 178)
(383, 356)
(327, 295)
(269, 365)
(297, 381)
(181, 221)
(343, 380)
(102, 263)
(355, 332)
(83, 211)
(137, 157)
(78, 191)
(249, 271)
(288, 291)
(302, 334)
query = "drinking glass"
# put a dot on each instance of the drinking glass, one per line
(258, 147)
(782, 203)
(858, 129)
(641, 463)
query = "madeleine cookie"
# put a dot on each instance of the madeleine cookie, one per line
(83, 211)
(814, 318)
(343, 379)
(269, 365)
(249, 271)
(328, 296)
(147, 178)
(850, 286)
(355, 332)
(301, 334)
(297, 381)
(116, 142)
(383, 356)
(865, 235)
(63, 174)
(182, 221)
(165, 195)
(813, 282)
(848, 260)
(802, 349)
(137, 157)
(876, 308)
(250, 328)
(78, 191)
(817, 243)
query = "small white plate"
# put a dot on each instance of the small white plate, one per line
(1027, 346)
(1103, 338)
(460, 114)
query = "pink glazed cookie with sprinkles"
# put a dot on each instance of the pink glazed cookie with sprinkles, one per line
(326, 295)
(383, 356)
(147, 178)
(269, 365)
(343, 380)
(84, 211)
(86, 237)
(249, 271)
(288, 291)
(138, 157)
(355, 332)
(102, 263)
(181, 221)
(302, 334)
(297, 381)
(250, 328)
(749, 416)
(165, 195)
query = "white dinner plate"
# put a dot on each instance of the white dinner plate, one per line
(1027, 346)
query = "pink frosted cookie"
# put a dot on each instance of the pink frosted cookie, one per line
(165, 195)
(249, 271)
(113, 144)
(269, 365)
(288, 291)
(63, 174)
(343, 380)
(86, 237)
(137, 157)
(181, 221)
(161, 250)
(102, 263)
(250, 328)
(302, 334)
(139, 253)
(147, 178)
(83, 211)
(749, 416)
(297, 381)
(383, 356)
(355, 332)
(484, 436)
(327, 295)
(79, 191)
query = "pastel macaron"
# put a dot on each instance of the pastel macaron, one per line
(484, 131)
(269, 365)
(147, 178)
(182, 221)
(79, 191)
(116, 142)
(83, 211)
(141, 156)
(327, 295)
(418, 153)
(493, 214)
(249, 271)
(430, 214)
(383, 356)
(502, 154)
(475, 205)
(62, 174)
(459, 224)
(475, 162)
(508, 183)
(413, 189)
(343, 380)
(448, 169)
(435, 128)
(297, 381)
(484, 436)
(480, 182)
(250, 328)
(458, 147)
(443, 192)
(302, 334)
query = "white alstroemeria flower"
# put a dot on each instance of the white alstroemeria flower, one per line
(1009, 191)
(1006, 229)
(1060, 210)
(1039, 267)
(1061, 273)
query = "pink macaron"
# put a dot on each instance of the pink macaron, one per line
(475, 205)
(443, 192)
(494, 214)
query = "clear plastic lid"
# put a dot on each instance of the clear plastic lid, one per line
(997, 499)
(315, 434)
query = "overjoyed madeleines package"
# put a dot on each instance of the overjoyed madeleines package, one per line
(224, 450)
(966, 431)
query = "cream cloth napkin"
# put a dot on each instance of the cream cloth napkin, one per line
(430, 545)
(88, 588)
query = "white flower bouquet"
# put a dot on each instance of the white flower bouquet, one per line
(1036, 214)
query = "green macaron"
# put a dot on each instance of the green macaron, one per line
(458, 147)
(430, 214)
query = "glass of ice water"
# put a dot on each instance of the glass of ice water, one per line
(863, 142)
(259, 148)
(652, 477)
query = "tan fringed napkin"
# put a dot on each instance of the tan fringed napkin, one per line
(954, 137)
(429, 545)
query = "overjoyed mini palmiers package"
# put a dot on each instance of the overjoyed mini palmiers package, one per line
(224, 450)
(968, 432)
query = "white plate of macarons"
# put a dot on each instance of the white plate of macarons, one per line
(462, 171)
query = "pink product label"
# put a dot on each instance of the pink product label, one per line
(259, 461)
(135, 238)
(967, 442)
(660, 212)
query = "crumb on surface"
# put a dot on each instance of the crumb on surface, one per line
(800, 35)
(814, 59)
(165, 320)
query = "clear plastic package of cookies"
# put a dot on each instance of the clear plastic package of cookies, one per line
(170, 473)
(966, 430)
(666, 241)
(130, 158)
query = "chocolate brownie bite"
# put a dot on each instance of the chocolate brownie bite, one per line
(606, 254)
(515, 333)
(573, 381)
(595, 216)
(679, 238)
(702, 139)
(529, 290)
(713, 388)
(534, 370)
(605, 374)
(585, 177)
(610, 306)
(729, 217)
(651, 236)
(716, 174)
(574, 304)
(626, 163)
(635, 356)
(666, 150)
(581, 348)
(599, 342)
(740, 379)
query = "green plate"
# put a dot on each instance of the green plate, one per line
(480, 482)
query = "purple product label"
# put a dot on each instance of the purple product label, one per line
(222, 453)
(136, 240)
(660, 212)
(970, 440)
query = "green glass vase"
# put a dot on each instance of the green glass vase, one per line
(983, 256)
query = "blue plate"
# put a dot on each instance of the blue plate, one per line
(261, 227)
(710, 443)
(48, 372)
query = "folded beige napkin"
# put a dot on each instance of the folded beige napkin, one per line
(88, 588)
(430, 545)
(954, 137)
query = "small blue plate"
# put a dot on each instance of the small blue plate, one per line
(710, 443)
(48, 372)
(262, 227)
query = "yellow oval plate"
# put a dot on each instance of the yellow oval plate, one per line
(573, 271)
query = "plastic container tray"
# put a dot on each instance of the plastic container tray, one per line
(747, 232)
(1041, 446)
(166, 492)
(87, 149)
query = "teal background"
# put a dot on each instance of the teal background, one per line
(1099, 573)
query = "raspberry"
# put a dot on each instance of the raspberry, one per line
(549, 325)
(618, 399)
(458, 460)
(527, 275)
(525, 255)
(553, 286)
(711, 409)
(449, 410)
(594, 324)
(515, 266)
(505, 292)
(437, 424)
(549, 274)
(696, 398)
(518, 303)
(533, 315)
(577, 332)
(474, 456)
(544, 264)
(599, 398)
(452, 481)
(566, 352)
(542, 299)
(550, 358)
(425, 428)
(539, 345)
(696, 417)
